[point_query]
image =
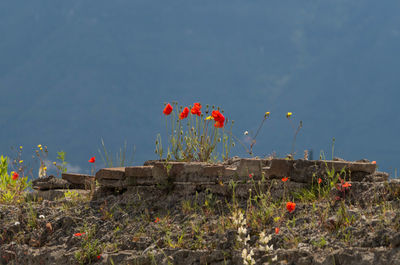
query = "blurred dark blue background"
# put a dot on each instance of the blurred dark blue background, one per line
(72, 72)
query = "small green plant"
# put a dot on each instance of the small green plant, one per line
(13, 186)
(90, 249)
(62, 167)
(321, 243)
(72, 195)
(106, 214)
(32, 217)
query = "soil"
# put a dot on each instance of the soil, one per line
(155, 225)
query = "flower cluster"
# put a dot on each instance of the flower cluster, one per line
(216, 115)
(264, 240)
(248, 257)
(239, 222)
(194, 140)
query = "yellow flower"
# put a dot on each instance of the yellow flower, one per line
(266, 114)
(21, 161)
(45, 168)
(209, 118)
(12, 172)
(288, 115)
(20, 147)
(54, 163)
(39, 146)
(41, 149)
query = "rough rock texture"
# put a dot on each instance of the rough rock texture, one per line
(182, 215)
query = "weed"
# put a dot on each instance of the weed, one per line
(253, 138)
(13, 186)
(62, 167)
(72, 195)
(106, 214)
(32, 217)
(120, 157)
(90, 248)
(42, 154)
(296, 131)
(321, 243)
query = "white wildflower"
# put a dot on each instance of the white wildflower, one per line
(246, 239)
(41, 216)
(264, 242)
(242, 230)
(246, 133)
(244, 253)
(264, 239)
(248, 257)
(275, 258)
(17, 223)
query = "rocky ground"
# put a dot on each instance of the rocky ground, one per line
(357, 224)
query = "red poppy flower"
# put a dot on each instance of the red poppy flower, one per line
(157, 220)
(285, 179)
(250, 175)
(168, 109)
(373, 162)
(346, 185)
(98, 256)
(218, 124)
(218, 116)
(184, 113)
(276, 230)
(196, 109)
(290, 206)
(319, 180)
(92, 159)
(79, 234)
(15, 176)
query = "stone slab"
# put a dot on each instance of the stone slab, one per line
(230, 172)
(78, 179)
(278, 168)
(139, 171)
(250, 166)
(139, 175)
(351, 166)
(116, 173)
(113, 183)
(140, 181)
(166, 171)
(50, 183)
(200, 172)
